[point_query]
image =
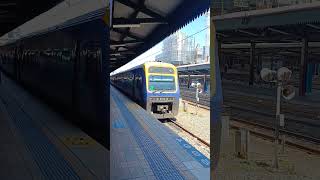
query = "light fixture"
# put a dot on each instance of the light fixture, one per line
(125, 25)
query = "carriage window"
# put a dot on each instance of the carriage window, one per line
(162, 70)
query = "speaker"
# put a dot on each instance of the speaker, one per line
(268, 75)
(284, 74)
(288, 92)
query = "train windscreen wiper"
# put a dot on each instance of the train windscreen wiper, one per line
(156, 91)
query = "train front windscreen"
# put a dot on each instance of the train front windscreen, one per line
(161, 83)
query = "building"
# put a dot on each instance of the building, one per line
(179, 49)
(176, 49)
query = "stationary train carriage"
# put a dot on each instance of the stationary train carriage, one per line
(66, 67)
(153, 85)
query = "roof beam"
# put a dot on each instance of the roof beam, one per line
(269, 45)
(137, 21)
(140, 7)
(127, 33)
(247, 32)
(275, 38)
(124, 43)
(119, 53)
(314, 26)
(221, 34)
(278, 31)
(6, 4)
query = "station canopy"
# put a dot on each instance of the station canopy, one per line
(13, 13)
(51, 17)
(273, 31)
(194, 69)
(138, 25)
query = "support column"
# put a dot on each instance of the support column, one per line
(220, 58)
(219, 49)
(188, 80)
(309, 78)
(252, 60)
(303, 67)
(205, 83)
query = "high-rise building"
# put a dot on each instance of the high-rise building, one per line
(206, 48)
(177, 49)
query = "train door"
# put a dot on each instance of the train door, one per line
(138, 86)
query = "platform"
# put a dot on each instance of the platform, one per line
(143, 148)
(37, 143)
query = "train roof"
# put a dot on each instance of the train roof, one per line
(148, 64)
(162, 64)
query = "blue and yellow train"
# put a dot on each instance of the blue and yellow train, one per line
(153, 85)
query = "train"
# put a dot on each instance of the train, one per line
(152, 85)
(65, 67)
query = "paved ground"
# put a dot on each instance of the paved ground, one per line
(143, 148)
(37, 143)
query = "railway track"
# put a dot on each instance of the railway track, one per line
(296, 140)
(243, 79)
(283, 131)
(305, 111)
(300, 124)
(179, 126)
(188, 95)
(299, 117)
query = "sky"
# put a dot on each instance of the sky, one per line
(196, 29)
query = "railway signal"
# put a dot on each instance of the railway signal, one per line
(198, 87)
(281, 78)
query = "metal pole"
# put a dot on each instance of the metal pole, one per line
(252, 61)
(276, 142)
(283, 142)
(303, 67)
(197, 99)
(222, 8)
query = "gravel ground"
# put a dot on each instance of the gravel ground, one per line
(197, 121)
(293, 164)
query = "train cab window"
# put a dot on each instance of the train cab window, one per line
(161, 83)
(162, 70)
